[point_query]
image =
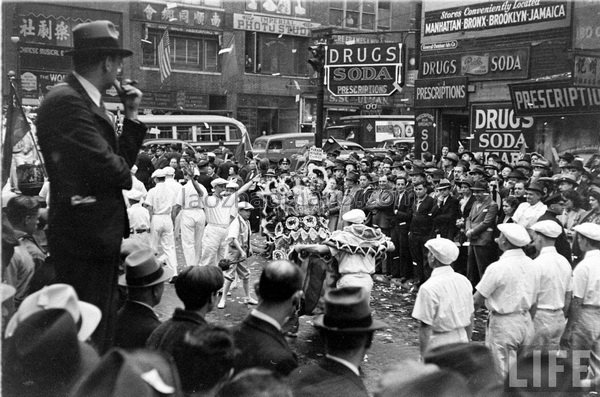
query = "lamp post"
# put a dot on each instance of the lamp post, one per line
(317, 61)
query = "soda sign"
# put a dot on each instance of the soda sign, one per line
(363, 69)
(498, 130)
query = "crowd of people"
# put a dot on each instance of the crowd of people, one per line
(461, 231)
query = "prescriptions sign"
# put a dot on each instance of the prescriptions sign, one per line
(449, 92)
(553, 98)
(364, 69)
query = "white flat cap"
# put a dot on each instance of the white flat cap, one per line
(589, 230)
(159, 173)
(211, 154)
(442, 249)
(244, 205)
(217, 182)
(547, 228)
(169, 171)
(135, 194)
(232, 185)
(515, 233)
(354, 216)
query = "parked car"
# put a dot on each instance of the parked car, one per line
(385, 145)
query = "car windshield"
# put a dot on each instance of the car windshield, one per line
(259, 144)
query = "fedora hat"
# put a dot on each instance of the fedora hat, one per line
(444, 184)
(141, 373)
(143, 270)
(44, 355)
(452, 157)
(58, 296)
(535, 187)
(347, 310)
(97, 36)
(480, 186)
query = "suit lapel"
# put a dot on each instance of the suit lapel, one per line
(97, 110)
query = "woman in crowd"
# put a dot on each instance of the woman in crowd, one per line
(509, 206)
(333, 199)
(572, 213)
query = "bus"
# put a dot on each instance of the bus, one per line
(207, 131)
(373, 129)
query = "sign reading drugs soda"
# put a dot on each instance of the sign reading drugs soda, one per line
(498, 130)
(364, 69)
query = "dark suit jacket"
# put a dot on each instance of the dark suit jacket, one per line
(262, 345)
(422, 223)
(328, 378)
(482, 220)
(171, 333)
(444, 218)
(381, 205)
(135, 323)
(403, 207)
(84, 158)
(468, 206)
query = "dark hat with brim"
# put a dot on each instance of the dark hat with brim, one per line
(347, 311)
(97, 37)
(535, 187)
(480, 186)
(517, 175)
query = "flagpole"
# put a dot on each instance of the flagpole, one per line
(8, 133)
(19, 105)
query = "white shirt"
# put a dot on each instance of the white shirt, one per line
(510, 284)
(555, 278)
(444, 301)
(89, 88)
(188, 197)
(220, 210)
(173, 184)
(266, 318)
(139, 217)
(353, 263)
(345, 363)
(161, 198)
(527, 214)
(586, 278)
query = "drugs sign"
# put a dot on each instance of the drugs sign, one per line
(364, 69)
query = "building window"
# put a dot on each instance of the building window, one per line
(209, 3)
(188, 52)
(359, 14)
(273, 54)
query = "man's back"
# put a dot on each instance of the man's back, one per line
(555, 278)
(135, 323)
(262, 345)
(328, 378)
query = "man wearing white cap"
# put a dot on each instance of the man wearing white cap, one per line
(159, 202)
(444, 304)
(583, 327)
(190, 202)
(357, 249)
(170, 179)
(220, 210)
(238, 250)
(139, 216)
(509, 289)
(554, 295)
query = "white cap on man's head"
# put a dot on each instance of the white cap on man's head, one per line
(515, 234)
(443, 250)
(547, 228)
(244, 205)
(218, 181)
(589, 230)
(354, 216)
(169, 171)
(159, 173)
(232, 185)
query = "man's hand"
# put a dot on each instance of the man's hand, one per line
(131, 97)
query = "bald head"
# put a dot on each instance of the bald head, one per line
(279, 281)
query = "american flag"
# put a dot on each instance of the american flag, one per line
(164, 56)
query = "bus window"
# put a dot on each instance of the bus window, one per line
(161, 131)
(275, 145)
(185, 132)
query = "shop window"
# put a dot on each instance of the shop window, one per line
(358, 14)
(272, 54)
(188, 52)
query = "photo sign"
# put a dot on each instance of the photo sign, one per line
(363, 69)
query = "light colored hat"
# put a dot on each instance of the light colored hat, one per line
(547, 228)
(515, 233)
(143, 270)
(354, 216)
(58, 296)
(218, 181)
(232, 185)
(211, 154)
(159, 173)
(589, 230)
(169, 171)
(442, 249)
(244, 205)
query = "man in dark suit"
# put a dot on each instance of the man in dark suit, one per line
(347, 329)
(402, 261)
(479, 229)
(145, 281)
(445, 212)
(89, 166)
(259, 338)
(421, 225)
(381, 207)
